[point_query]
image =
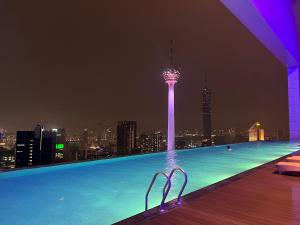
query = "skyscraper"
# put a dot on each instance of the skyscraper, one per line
(156, 141)
(126, 137)
(48, 150)
(144, 142)
(60, 143)
(35, 147)
(171, 76)
(72, 149)
(206, 114)
(84, 144)
(26, 154)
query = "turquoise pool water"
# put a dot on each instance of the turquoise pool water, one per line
(107, 191)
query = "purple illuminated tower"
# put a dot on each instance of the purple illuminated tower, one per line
(171, 76)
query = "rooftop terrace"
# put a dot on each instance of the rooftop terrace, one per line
(259, 196)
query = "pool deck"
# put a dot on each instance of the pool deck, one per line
(260, 196)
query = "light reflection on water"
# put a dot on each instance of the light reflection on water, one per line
(171, 163)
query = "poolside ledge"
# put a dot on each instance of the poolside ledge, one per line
(257, 196)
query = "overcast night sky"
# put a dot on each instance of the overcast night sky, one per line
(71, 63)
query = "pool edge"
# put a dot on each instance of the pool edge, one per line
(141, 217)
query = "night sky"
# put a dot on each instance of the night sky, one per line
(71, 63)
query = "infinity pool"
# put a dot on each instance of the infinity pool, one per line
(107, 191)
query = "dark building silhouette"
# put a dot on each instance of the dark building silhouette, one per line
(206, 114)
(126, 137)
(25, 150)
(35, 147)
(48, 150)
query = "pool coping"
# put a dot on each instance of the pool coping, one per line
(113, 157)
(6, 170)
(154, 212)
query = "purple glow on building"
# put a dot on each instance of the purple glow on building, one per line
(277, 25)
(171, 77)
(280, 17)
(294, 103)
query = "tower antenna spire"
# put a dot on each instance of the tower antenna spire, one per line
(205, 80)
(172, 53)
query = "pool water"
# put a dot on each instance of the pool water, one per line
(107, 191)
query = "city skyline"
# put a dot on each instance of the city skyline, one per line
(84, 86)
(150, 112)
(42, 145)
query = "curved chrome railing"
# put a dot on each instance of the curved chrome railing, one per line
(167, 184)
(167, 187)
(183, 185)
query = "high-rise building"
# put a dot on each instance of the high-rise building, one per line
(144, 142)
(156, 141)
(171, 75)
(60, 143)
(107, 137)
(99, 134)
(8, 140)
(126, 137)
(72, 149)
(256, 132)
(35, 147)
(206, 114)
(25, 150)
(48, 150)
(84, 144)
(7, 158)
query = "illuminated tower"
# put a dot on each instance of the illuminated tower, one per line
(206, 114)
(171, 76)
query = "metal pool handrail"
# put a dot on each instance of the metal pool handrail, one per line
(167, 184)
(183, 186)
(167, 187)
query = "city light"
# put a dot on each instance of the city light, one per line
(171, 74)
(60, 146)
